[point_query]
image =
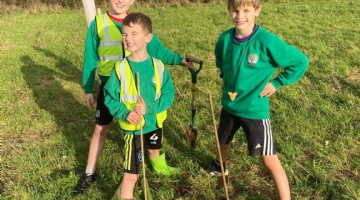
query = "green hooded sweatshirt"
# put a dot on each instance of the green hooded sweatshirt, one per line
(248, 66)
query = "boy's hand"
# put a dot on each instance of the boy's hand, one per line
(133, 118)
(141, 107)
(268, 90)
(89, 101)
(186, 64)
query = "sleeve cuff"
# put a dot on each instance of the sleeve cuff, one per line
(125, 116)
(276, 84)
(88, 90)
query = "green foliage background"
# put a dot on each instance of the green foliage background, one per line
(78, 3)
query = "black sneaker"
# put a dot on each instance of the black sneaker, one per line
(84, 182)
(214, 169)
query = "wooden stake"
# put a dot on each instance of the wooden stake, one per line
(98, 11)
(141, 141)
(218, 147)
(90, 11)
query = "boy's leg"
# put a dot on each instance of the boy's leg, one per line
(96, 146)
(131, 166)
(97, 143)
(279, 176)
(102, 128)
(153, 143)
(127, 185)
(225, 151)
(153, 153)
(228, 125)
(261, 142)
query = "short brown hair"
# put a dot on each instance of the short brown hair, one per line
(238, 3)
(138, 18)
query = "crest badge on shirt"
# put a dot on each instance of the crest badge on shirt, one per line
(252, 59)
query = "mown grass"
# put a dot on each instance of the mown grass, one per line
(46, 129)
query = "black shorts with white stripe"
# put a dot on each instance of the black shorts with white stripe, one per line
(152, 140)
(103, 115)
(258, 133)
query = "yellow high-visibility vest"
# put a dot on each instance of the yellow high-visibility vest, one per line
(111, 48)
(129, 95)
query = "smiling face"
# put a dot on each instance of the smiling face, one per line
(243, 17)
(119, 8)
(135, 38)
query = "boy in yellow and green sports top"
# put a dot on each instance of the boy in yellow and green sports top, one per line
(132, 111)
(102, 49)
(247, 56)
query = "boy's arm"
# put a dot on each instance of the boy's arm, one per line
(112, 98)
(157, 50)
(90, 58)
(291, 60)
(167, 96)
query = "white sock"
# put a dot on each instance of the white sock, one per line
(90, 170)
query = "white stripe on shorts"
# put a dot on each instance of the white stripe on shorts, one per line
(268, 139)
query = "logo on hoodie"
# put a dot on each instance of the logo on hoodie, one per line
(252, 59)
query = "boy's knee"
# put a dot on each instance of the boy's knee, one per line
(131, 178)
(271, 162)
(102, 130)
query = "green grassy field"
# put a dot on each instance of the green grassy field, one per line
(46, 128)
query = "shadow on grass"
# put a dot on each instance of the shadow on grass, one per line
(178, 142)
(50, 95)
(178, 149)
(71, 117)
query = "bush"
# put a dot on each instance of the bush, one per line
(73, 4)
(35, 3)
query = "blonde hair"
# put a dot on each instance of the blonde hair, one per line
(239, 3)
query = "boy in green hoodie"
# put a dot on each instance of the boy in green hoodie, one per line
(103, 48)
(247, 56)
(132, 111)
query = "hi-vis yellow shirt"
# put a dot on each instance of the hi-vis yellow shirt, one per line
(129, 94)
(111, 48)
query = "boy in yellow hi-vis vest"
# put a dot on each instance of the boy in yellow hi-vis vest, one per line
(103, 47)
(157, 95)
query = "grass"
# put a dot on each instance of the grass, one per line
(46, 128)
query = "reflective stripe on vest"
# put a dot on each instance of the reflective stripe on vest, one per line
(128, 91)
(110, 48)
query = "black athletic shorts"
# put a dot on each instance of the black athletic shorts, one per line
(102, 116)
(258, 133)
(152, 140)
